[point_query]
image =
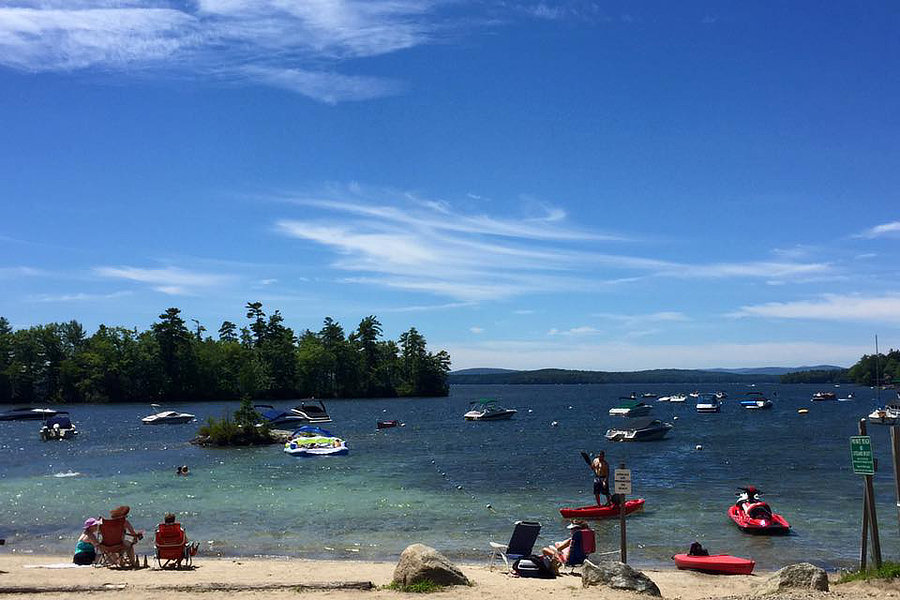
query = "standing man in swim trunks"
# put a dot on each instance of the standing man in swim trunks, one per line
(601, 477)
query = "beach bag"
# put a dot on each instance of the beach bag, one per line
(539, 567)
(698, 550)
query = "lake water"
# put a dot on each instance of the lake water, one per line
(432, 480)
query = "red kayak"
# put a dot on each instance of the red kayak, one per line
(606, 511)
(752, 515)
(724, 564)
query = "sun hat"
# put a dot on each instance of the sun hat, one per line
(576, 525)
(119, 511)
(90, 523)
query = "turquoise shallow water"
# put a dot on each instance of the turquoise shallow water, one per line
(431, 481)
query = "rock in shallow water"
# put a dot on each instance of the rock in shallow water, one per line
(802, 576)
(618, 576)
(422, 563)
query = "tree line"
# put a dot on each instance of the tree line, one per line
(864, 372)
(60, 362)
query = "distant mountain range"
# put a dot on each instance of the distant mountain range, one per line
(557, 376)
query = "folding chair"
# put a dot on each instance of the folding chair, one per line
(583, 544)
(521, 543)
(113, 549)
(172, 549)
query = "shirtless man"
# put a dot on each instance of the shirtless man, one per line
(601, 477)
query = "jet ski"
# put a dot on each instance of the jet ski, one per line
(752, 515)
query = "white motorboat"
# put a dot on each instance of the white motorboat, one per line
(678, 398)
(631, 408)
(26, 413)
(755, 401)
(312, 411)
(708, 403)
(821, 396)
(639, 430)
(488, 410)
(167, 417)
(888, 415)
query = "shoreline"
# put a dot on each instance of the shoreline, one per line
(271, 577)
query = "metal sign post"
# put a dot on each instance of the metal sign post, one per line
(863, 462)
(622, 488)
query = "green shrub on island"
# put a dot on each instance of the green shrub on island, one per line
(61, 363)
(888, 570)
(243, 429)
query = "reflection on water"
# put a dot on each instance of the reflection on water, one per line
(454, 484)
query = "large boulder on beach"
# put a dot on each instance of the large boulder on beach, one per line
(802, 576)
(422, 563)
(618, 576)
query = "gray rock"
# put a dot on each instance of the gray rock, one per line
(618, 576)
(802, 576)
(420, 563)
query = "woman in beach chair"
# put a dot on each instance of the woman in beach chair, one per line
(86, 548)
(573, 551)
(117, 539)
(172, 548)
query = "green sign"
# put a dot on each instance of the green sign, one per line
(861, 455)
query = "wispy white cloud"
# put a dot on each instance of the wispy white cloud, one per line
(883, 230)
(13, 272)
(173, 281)
(583, 330)
(476, 330)
(80, 297)
(292, 45)
(831, 307)
(662, 316)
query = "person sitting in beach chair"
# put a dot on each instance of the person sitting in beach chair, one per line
(117, 539)
(172, 548)
(86, 547)
(573, 551)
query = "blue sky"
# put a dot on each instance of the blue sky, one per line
(597, 185)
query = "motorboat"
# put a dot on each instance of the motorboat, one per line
(488, 410)
(640, 430)
(721, 395)
(58, 427)
(752, 515)
(708, 403)
(755, 401)
(678, 398)
(888, 415)
(167, 417)
(694, 395)
(310, 440)
(388, 424)
(632, 408)
(27, 413)
(649, 395)
(279, 418)
(820, 396)
(313, 411)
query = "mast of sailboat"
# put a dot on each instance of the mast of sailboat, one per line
(877, 376)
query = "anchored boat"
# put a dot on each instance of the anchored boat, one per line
(488, 410)
(315, 441)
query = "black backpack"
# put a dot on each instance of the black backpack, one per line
(540, 567)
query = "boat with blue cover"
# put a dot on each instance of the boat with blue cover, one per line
(274, 417)
(755, 401)
(58, 427)
(310, 440)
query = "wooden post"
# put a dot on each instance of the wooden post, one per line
(870, 504)
(864, 542)
(895, 452)
(622, 538)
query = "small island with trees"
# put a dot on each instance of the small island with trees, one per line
(61, 363)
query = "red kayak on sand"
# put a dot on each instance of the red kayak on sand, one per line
(605, 511)
(724, 564)
(752, 515)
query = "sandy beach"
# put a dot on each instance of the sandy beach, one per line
(280, 578)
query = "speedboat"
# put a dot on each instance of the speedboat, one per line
(889, 415)
(752, 515)
(755, 401)
(819, 396)
(640, 430)
(26, 413)
(388, 424)
(678, 398)
(488, 410)
(167, 417)
(708, 403)
(315, 441)
(279, 418)
(313, 411)
(631, 409)
(649, 395)
(58, 427)
(721, 395)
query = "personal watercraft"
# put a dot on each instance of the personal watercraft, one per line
(752, 515)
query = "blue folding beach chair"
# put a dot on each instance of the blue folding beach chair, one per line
(521, 543)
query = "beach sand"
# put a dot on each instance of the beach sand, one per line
(273, 578)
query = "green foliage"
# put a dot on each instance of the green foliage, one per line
(425, 586)
(863, 372)
(831, 376)
(240, 430)
(889, 570)
(58, 362)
